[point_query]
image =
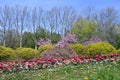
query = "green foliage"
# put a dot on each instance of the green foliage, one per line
(117, 43)
(78, 48)
(25, 53)
(6, 53)
(28, 40)
(118, 51)
(55, 37)
(99, 48)
(84, 29)
(45, 47)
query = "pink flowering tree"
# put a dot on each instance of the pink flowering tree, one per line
(69, 38)
(61, 49)
(43, 42)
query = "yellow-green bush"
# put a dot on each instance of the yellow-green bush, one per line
(25, 53)
(99, 48)
(45, 47)
(6, 54)
(78, 48)
(118, 51)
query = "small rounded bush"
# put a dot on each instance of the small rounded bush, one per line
(99, 48)
(118, 51)
(6, 54)
(45, 47)
(25, 53)
(78, 48)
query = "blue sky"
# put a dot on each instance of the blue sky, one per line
(76, 4)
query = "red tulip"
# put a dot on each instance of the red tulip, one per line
(97, 59)
(41, 62)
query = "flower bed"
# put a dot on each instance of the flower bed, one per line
(41, 63)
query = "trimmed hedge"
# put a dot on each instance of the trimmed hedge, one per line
(78, 48)
(6, 53)
(118, 51)
(99, 48)
(45, 47)
(25, 53)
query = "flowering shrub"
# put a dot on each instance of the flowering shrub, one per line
(69, 38)
(41, 63)
(78, 48)
(6, 53)
(61, 49)
(25, 53)
(99, 48)
(55, 53)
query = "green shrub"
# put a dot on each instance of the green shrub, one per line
(99, 48)
(78, 48)
(45, 47)
(118, 51)
(25, 53)
(6, 54)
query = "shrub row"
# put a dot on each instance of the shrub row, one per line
(7, 54)
(25, 53)
(78, 48)
(91, 49)
(94, 49)
(28, 53)
(20, 53)
(45, 47)
(99, 48)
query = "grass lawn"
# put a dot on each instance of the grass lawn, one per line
(91, 71)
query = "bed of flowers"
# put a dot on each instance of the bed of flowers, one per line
(41, 63)
(58, 56)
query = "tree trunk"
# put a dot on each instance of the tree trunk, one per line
(4, 43)
(35, 45)
(20, 40)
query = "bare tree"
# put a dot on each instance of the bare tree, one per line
(107, 20)
(11, 40)
(34, 25)
(16, 24)
(89, 13)
(52, 19)
(67, 18)
(10, 26)
(44, 19)
(5, 21)
(61, 20)
(37, 18)
(2, 25)
(23, 23)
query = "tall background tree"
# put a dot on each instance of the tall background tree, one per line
(84, 29)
